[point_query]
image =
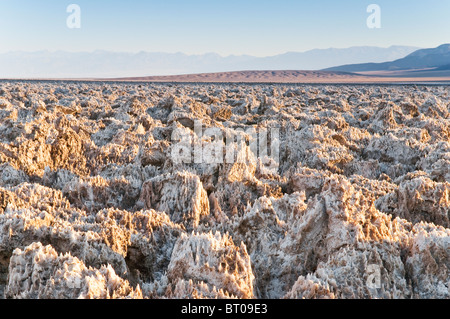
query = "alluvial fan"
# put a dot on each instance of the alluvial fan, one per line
(119, 190)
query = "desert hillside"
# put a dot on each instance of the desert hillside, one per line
(295, 76)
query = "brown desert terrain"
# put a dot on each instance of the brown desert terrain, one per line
(292, 76)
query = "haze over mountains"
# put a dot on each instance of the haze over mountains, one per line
(423, 65)
(104, 64)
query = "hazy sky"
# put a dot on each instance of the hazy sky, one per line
(254, 27)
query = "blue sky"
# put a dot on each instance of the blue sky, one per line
(254, 27)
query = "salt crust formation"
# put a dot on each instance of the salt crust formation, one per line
(93, 204)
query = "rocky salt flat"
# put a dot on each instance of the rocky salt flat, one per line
(351, 200)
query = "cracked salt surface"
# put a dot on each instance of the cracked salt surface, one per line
(94, 204)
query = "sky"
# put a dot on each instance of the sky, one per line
(231, 27)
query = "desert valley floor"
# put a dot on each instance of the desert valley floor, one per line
(128, 190)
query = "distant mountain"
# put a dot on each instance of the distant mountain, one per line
(103, 64)
(294, 76)
(317, 58)
(444, 67)
(261, 76)
(421, 59)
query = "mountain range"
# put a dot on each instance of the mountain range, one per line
(105, 64)
(437, 59)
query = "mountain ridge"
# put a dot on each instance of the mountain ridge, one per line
(102, 63)
(430, 58)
